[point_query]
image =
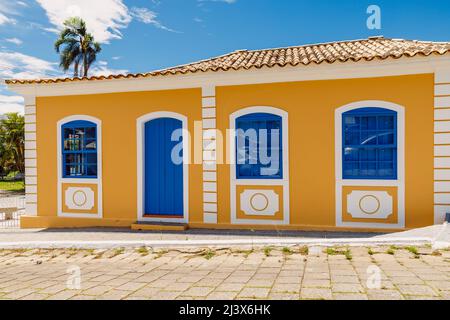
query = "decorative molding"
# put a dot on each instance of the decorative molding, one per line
(97, 181)
(441, 144)
(399, 183)
(79, 198)
(210, 207)
(370, 204)
(31, 169)
(259, 202)
(140, 134)
(234, 182)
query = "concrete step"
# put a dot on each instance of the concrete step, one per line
(159, 226)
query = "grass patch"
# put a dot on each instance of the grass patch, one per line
(117, 252)
(339, 252)
(143, 251)
(208, 254)
(267, 251)
(348, 254)
(413, 250)
(391, 250)
(370, 252)
(246, 253)
(13, 186)
(331, 252)
(304, 251)
(161, 253)
(287, 251)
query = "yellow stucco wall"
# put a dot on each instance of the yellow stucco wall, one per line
(118, 113)
(311, 107)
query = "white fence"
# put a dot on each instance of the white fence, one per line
(11, 208)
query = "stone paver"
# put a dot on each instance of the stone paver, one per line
(229, 274)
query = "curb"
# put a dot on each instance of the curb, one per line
(213, 243)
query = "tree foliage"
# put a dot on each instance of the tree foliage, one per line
(76, 47)
(12, 150)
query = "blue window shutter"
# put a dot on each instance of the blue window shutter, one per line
(79, 150)
(369, 144)
(253, 168)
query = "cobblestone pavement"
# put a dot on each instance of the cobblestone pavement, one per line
(225, 274)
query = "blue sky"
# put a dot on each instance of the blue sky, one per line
(143, 35)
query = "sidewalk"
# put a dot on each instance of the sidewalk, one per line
(111, 238)
(359, 273)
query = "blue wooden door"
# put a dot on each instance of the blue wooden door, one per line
(163, 177)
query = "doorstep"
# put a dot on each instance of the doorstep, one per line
(159, 226)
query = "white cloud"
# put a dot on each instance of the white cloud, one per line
(104, 18)
(101, 69)
(4, 19)
(16, 41)
(21, 66)
(11, 104)
(147, 16)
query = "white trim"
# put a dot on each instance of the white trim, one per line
(140, 132)
(205, 80)
(399, 183)
(208, 102)
(234, 182)
(97, 181)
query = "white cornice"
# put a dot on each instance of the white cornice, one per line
(337, 70)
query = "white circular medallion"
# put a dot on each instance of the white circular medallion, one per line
(79, 198)
(259, 202)
(369, 204)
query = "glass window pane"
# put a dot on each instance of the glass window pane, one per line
(368, 169)
(91, 133)
(351, 169)
(386, 138)
(352, 138)
(368, 138)
(368, 123)
(91, 144)
(368, 154)
(91, 158)
(386, 154)
(386, 169)
(351, 154)
(351, 123)
(74, 170)
(92, 170)
(386, 123)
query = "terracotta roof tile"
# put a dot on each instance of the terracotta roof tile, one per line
(356, 50)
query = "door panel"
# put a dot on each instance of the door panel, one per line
(163, 178)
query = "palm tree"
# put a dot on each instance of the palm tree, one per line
(78, 47)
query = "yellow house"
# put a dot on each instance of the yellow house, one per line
(351, 135)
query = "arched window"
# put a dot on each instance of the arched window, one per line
(259, 153)
(370, 144)
(79, 150)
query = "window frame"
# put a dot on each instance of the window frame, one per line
(378, 112)
(252, 117)
(78, 124)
